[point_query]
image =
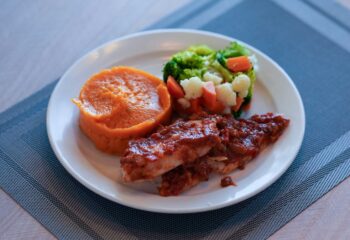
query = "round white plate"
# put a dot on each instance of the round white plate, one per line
(149, 50)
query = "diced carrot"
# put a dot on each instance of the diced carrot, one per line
(195, 105)
(209, 95)
(238, 64)
(174, 88)
(238, 105)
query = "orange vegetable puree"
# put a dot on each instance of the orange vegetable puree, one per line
(122, 103)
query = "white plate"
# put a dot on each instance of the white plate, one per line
(149, 50)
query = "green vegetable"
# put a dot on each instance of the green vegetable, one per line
(221, 59)
(187, 59)
(233, 50)
(248, 98)
(202, 50)
(199, 59)
(238, 113)
(171, 68)
(188, 73)
(251, 75)
(192, 62)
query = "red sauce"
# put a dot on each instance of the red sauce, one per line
(175, 181)
(243, 139)
(168, 139)
(227, 181)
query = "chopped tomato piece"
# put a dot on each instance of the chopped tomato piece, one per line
(209, 95)
(174, 88)
(238, 64)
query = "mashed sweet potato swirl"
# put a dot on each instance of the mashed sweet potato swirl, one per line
(121, 103)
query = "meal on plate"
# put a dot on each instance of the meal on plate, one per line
(182, 129)
(122, 103)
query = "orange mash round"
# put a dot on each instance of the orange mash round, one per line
(122, 103)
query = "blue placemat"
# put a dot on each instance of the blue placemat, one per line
(296, 35)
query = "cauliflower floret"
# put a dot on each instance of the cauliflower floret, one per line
(243, 94)
(212, 77)
(192, 87)
(184, 102)
(241, 83)
(225, 94)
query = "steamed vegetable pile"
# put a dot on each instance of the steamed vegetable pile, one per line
(202, 79)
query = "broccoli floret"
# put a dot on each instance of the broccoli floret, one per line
(187, 64)
(171, 68)
(227, 53)
(243, 51)
(234, 50)
(188, 73)
(187, 59)
(202, 50)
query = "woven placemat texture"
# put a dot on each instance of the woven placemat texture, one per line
(319, 65)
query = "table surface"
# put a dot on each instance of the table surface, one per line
(41, 39)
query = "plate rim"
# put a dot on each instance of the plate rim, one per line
(96, 190)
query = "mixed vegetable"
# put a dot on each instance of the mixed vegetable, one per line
(202, 79)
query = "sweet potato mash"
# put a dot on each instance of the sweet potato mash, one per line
(122, 103)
